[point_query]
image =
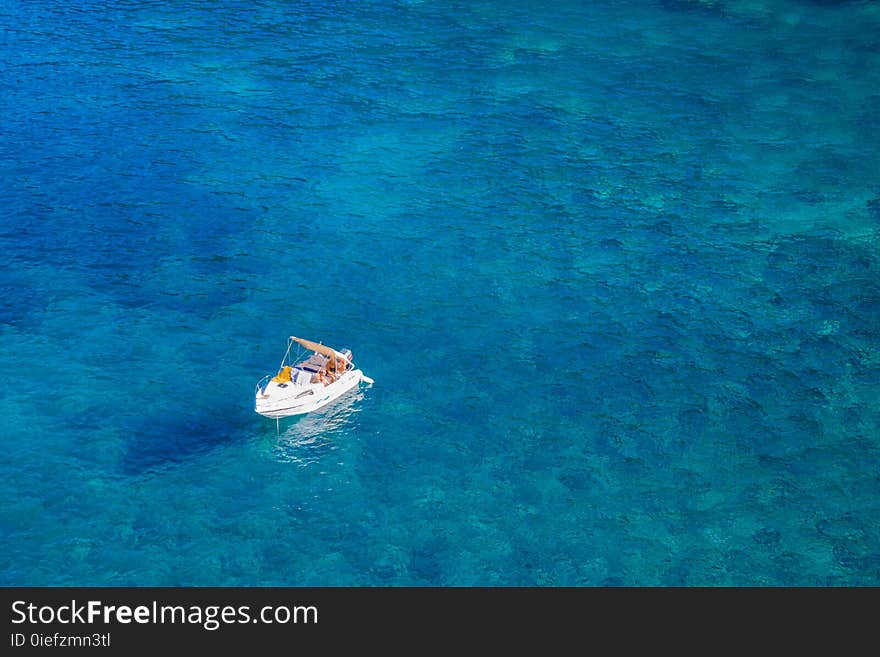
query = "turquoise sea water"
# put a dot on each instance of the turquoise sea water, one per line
(614, 267)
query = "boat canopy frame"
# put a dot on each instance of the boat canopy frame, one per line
(318, 348)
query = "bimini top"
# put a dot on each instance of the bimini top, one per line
(320, 348)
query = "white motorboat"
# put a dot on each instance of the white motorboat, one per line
(308, 384)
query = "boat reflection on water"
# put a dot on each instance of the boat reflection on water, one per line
(311, 437)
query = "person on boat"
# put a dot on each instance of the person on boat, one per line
(332, 371)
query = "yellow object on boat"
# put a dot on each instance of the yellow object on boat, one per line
(283, 376)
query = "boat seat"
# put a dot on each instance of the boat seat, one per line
(314, 363)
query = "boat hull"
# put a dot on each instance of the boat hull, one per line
(275, 401)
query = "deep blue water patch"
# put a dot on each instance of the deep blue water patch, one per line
(187, 432)
(613, 266)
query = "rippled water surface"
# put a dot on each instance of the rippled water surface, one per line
(613, 265)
